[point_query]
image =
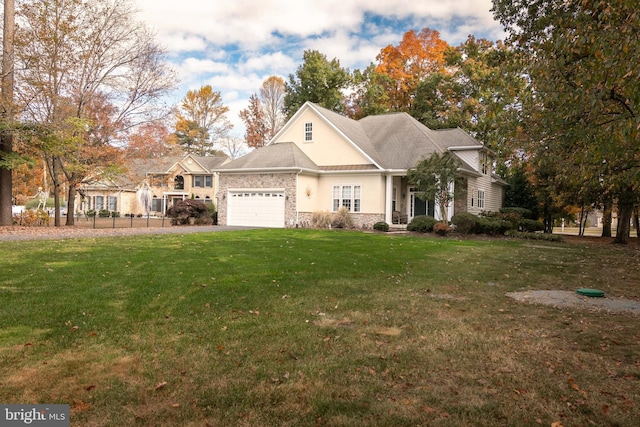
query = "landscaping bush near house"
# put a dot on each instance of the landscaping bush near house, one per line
(103, 213)
(321, 219)
(342, 219)
(30, 218)
(115, 214)
(441, 228)
(493, 226)
(534, 236)
(213, 213)
(90, 213)
(466, 223)
(34, 203)
(530, 225)
(422, 224)
(509, 220)
(189, 211)
(523, 212)
(381, 226)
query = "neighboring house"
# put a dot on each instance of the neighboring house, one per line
(166, 180)
(321, 161)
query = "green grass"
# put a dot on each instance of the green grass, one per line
(306, 327)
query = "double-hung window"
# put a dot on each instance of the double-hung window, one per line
(308, 132)
(481, 198)
(156, 204)
(201, 181)
(112, 203)
(347, 196)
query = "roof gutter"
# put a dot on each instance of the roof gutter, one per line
(470, 148)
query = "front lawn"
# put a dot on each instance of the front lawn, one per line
(307, 327)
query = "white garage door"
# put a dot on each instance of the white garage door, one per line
(256, 208)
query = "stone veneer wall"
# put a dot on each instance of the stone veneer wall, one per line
(256, 181)
(361, 220)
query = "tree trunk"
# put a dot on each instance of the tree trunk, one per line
(624, 219)
(636, 221)
(606, 218)
(71, 204)
(6, 139)
(547, 216)
(55, 178)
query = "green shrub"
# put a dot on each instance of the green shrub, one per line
(213, 213)
(530, 225)
(203, 221)
(465, 223)
(534, 236)
(321, 219)
(523, 212)
(493, 226)
(422, 224)
(103, 213)
(381, 226)
(50, 203)
(509, 220)
(187, 211)
(441, 228)
(90, 213)
(115, 214)
(342, 219)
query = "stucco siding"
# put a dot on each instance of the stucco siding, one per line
(372, 187)
(325, 144)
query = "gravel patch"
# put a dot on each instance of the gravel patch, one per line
(571, 299)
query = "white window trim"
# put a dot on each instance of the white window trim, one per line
(352, 199)
(481, 199)
(308, 132)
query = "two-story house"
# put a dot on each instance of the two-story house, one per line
(321, 161)
(165, 180)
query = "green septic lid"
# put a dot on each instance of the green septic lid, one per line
(590, 292)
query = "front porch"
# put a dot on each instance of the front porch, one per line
(403, 204)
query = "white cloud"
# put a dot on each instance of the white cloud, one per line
(276, 62)
(235, 45)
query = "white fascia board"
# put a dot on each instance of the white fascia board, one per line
(259, 170)
(466, 148)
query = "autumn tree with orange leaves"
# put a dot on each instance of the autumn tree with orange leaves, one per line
(407, 64)
(201, 121)
(150, 140)
(264, 116)
(89, 73)
(255, 124)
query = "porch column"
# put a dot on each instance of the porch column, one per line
(388, 198)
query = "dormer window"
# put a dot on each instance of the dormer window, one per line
(308, 132)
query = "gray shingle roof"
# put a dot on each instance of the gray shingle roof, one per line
(281, 155)
(392, 141)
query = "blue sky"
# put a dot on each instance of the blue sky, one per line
(234, 45)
